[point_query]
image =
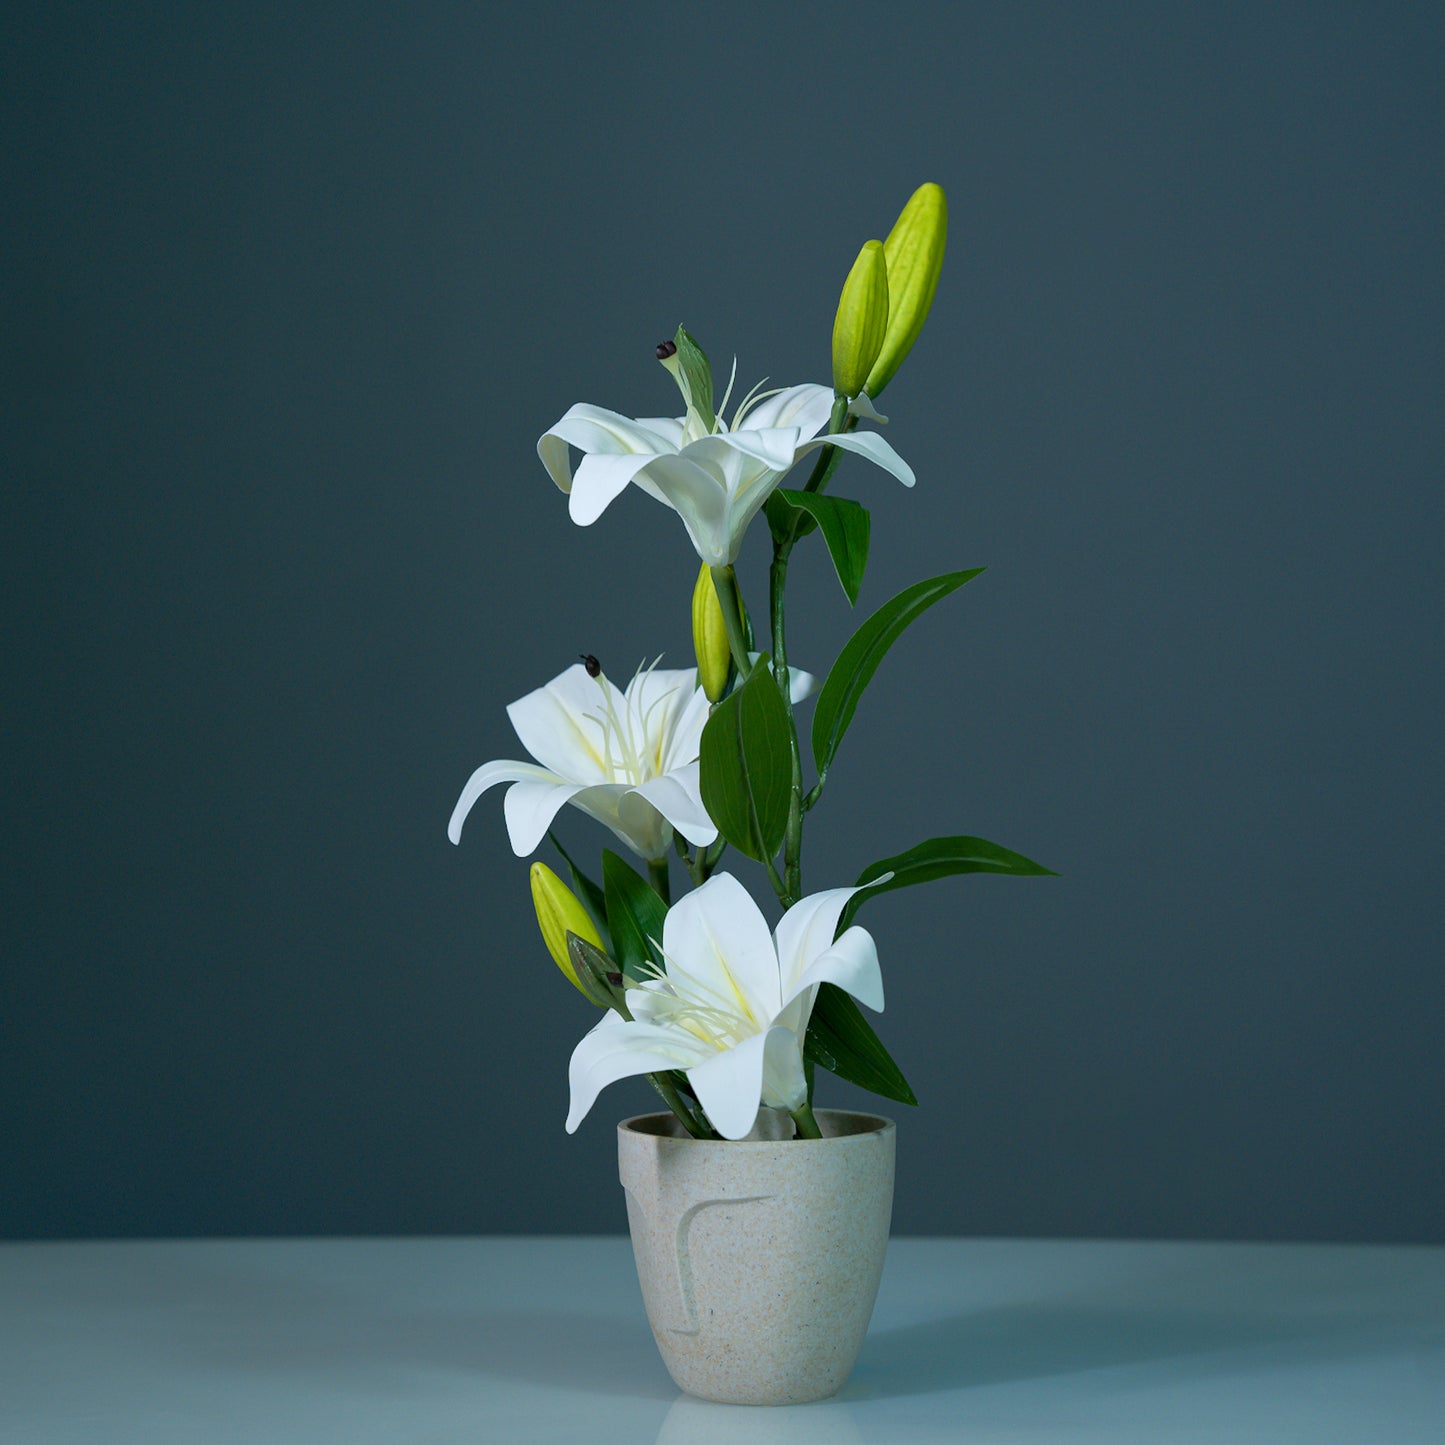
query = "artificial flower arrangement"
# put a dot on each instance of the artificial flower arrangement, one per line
(721, 1013)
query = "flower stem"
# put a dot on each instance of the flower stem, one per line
(826, 465)
(776, 879)
(657, 871)
(725, 581)
(807, 1125)
(695, 862)
(792, 878)
(668, 1090)
(793, 836)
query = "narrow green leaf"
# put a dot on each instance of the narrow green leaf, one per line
(635, 916)
(697, 375)
(842, 1041)
(845, 526)
(782, 519)
(747, 766)
(859, 659)
(587, 891)
(941, 858)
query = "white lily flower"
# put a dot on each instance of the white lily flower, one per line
(731, 1007)
(630, 759)
(715, 479)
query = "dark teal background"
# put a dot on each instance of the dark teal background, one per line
(286, 297)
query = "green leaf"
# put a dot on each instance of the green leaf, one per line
(782, 519)
(845, 527)
(747, 765)
(696, 376)
(941, 858)
(634, 916)
(842, 1041)
(587, 891)
(859, 660)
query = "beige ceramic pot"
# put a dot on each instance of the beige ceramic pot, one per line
(759, 1258)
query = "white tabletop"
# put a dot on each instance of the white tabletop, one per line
(544, 1339)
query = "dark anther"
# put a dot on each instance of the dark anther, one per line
(615, 979)
(594, 668)
(666, 349)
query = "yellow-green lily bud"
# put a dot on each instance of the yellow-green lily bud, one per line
(558, 914)
(862, 320)
(710, 638)
(914, 252)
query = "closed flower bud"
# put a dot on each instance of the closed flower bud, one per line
(597, 976)
(558, 914)
(914, 252)
(862, 320)
(710, 638)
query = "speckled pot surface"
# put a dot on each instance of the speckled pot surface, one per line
(759, 1259)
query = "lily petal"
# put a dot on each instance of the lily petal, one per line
(774, 447)
(805, 931)
(669, 428)
(600, 480)
(617, 1049)
(735, 468)
(677, 796)
(800, 684)
(699, 494)
(553, 724)
(529, 809)
(785, 1085)
(594, 429)
(730, 1085)
(717, 943)
(644, 830)
(867, 444)
(488, 776)
(852, 964)
(862, 405)
(717, 516)
(684, 740)
(806, 406)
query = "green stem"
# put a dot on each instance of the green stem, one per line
(779, 887)
(657, 871)
(825, 466)
(807, 1125)
(668, 1090)
(793, 836)
(791, 889)
(695, 863)
(725, 580)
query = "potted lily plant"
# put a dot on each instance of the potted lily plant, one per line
(730, 1019)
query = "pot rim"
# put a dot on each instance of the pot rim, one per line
(880, 1125)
